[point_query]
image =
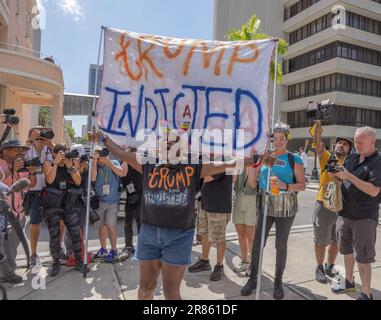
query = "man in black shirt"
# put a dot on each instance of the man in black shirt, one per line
(133, 184)
(167, 214)
(357, 223)
(216, 207)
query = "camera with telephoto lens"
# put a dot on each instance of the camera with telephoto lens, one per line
(32, 163)
(332, 165)
(47, 134)
(10, 117)
(84, 158)
(319, 110)
(104, 153)
(72, 154)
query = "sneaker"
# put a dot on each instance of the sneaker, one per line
(344, 286)
(125, 254)
(330, 270)
(248, 271)
(364, 296)
(111, 257)
(200, 265)
(71, 261)
(101, 253)
(278, 290)
(218, 273)
(12, 279)
(243, 267)
(320, 275)
(249, 287)
(63, 255)
(34, 261)
(56, 268)
(79, 266)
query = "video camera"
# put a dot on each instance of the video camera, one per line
(32, 163)
(319, 110)
(72, 154)
(10, 117)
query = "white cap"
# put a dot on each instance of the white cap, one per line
(79, 148)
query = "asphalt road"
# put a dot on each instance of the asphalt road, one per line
(304, 217)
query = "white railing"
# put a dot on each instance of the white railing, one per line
(27, 51)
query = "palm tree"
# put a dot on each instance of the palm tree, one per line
(43, 116)
(251, 30)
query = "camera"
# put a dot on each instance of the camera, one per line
(84, 158)
(72, 154)
(332, 165)
(10, 117)
(32, 163)
(319, 110)
(104, 153)
(47, 134)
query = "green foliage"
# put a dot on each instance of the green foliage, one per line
(251, 30)
(71, 132)
(43, 116)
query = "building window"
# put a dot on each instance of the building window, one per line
(342, 115)
(335, 82)
(297, 8)
(333, 50)
(352, 20)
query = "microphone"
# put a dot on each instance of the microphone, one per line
(19, 186)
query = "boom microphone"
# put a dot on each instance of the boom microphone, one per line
(20, 185)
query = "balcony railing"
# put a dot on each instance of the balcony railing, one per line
(28, 52)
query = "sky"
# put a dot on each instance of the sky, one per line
(71, 30)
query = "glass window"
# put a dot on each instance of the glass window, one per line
(344, 50)
(317, 86)
(353, 83)
(354, 53)
(327, 83)
(338, 82)
(359, 85)
(360, 53)
(362, 22)
(368, 88)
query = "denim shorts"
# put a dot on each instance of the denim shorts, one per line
(35, 211)
(170, 245)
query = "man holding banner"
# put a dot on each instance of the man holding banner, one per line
(219, 89)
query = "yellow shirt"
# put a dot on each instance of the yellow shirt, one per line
(324, 176)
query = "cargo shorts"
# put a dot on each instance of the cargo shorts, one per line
(214, 225)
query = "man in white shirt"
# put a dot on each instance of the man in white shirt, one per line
(304, 157)
(39, 148)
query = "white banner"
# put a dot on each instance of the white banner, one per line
(219, 89)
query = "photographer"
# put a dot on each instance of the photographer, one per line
(133, 184)
(105, 174)
(325, 220)
(59, 202)
(356, 226)
(81, 163)
(12, 155)
(40, 149)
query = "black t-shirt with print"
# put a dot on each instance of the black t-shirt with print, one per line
(62, 181)
(357, 204)
(216, 195)
(169, 195)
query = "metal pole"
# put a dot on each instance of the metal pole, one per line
(91, 158)
(259, 276)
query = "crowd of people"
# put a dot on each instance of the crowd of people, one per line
(173, 202)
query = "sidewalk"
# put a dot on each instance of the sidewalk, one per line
(120, 281)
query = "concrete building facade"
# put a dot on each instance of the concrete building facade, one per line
(27, 79)
(334, 53)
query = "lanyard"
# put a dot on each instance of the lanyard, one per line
(106, 176)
